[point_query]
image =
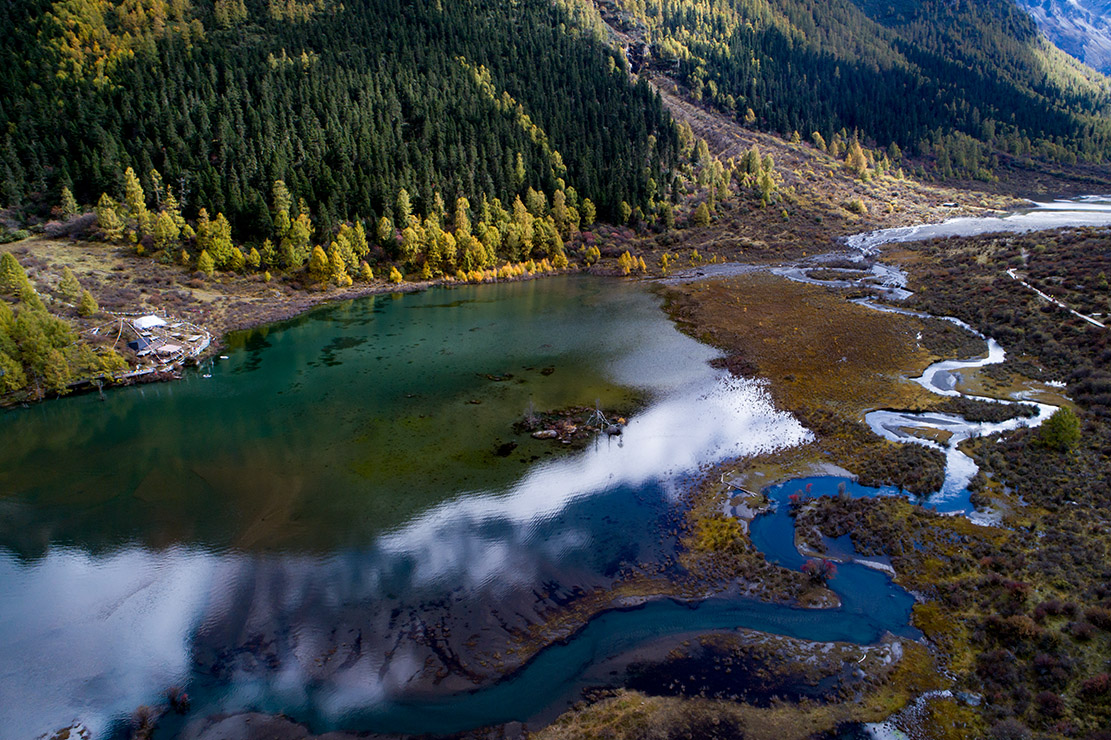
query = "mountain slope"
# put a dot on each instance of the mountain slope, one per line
(347, 103)
(1081, 28)
(953, 82)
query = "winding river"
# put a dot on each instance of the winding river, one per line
(340, 525)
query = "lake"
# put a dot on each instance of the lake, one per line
(329, 525)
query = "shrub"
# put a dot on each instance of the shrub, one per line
(856, 205)
(1081, 631)
(1050, 704)
(1010, 729)
(1097, 687)
(13, 236)
(819, 571)
(1061, 431)
(1099, 616)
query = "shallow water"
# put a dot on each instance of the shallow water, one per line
(1084, 211)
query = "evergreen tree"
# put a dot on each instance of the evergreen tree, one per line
(280, 197)
(268, 254)
(166, 231)
(359, 244)
(69, 203)
(56, 372)
(136, 205)
(702, 215)
(588, 212)
(1061, 431)
(172, 207)
(87, 305)
(667, 216)
(462, 220)
(220, 243)
(13, 279)
(206, 264)
(69, 286)
(108, 219)
(536, 202)
(338, 269)
(12, 377)
(404, 207)
(295, 244)
(204, 231)
(559, 212)
(385, 233)
(855, 159)
(766, 186)
(29, 297)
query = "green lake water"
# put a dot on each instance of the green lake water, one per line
(325, 430)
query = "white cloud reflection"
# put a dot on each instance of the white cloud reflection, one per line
(85, 638)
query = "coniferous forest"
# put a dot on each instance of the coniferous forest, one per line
(953, 83)
(348, 104)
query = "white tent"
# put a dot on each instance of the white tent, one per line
(147, 322)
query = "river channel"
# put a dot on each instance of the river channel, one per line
(338, 523)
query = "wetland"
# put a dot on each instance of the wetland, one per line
(340, 523)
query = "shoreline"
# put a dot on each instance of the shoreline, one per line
(123, 282)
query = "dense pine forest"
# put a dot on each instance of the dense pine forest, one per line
(954, 83)
(348, 104)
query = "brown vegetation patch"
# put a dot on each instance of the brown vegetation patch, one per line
(817, 349)
(828, 361)
(631, 715)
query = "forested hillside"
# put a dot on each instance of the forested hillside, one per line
(350, 104)
(956, 83)
(347, 103)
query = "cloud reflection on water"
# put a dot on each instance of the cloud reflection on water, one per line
(85, 638)
(89, 638)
